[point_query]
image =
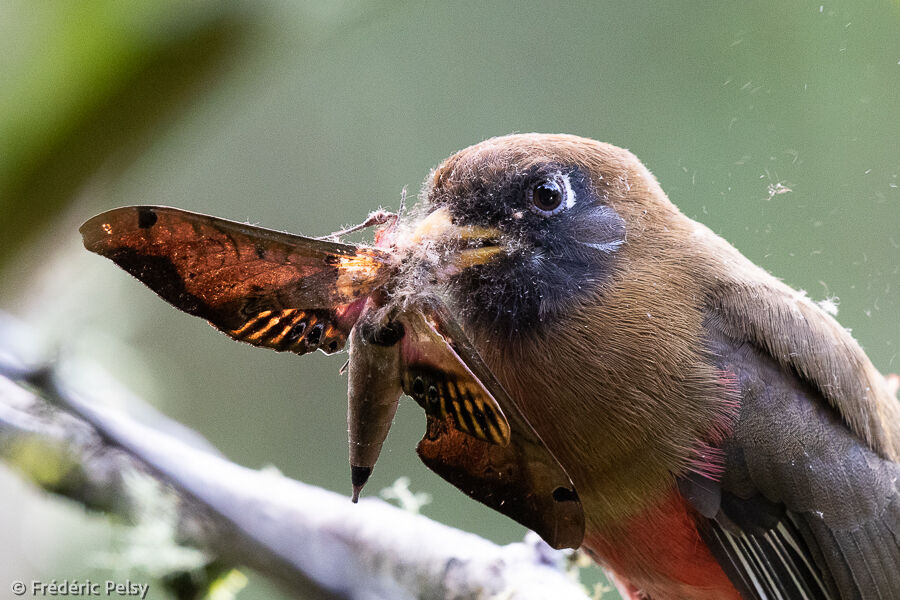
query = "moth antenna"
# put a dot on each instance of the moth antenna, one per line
(343, 369)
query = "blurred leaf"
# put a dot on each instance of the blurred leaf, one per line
(48, 466)
(86, 84)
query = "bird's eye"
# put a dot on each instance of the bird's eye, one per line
(548, 196)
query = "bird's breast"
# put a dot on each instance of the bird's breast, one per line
(659, 552)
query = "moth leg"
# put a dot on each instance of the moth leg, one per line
(378, 217)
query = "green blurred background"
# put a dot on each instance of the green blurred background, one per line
(775, 123)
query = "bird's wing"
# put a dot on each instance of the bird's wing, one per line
(263, 287)
(805, 508)
(750, 306)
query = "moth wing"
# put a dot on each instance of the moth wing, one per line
(512, 472)
(267, 288)
(442, 383)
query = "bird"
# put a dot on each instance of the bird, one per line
(727, 438)
(592, 363)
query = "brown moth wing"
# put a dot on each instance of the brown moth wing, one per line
(435, 377)
(264, 287)
(521, 478)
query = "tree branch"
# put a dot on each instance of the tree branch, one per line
(312, 541)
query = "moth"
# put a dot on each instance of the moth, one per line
(299, 294)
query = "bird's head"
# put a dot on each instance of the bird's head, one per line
(535, 223)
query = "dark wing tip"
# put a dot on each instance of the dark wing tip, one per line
(98, 229)
(92, 231)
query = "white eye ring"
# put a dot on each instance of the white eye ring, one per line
(551, 195)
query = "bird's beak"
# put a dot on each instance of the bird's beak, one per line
(466, 246)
